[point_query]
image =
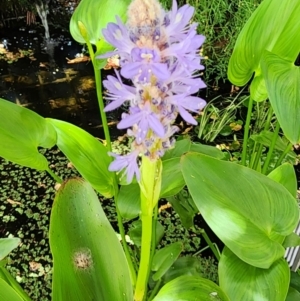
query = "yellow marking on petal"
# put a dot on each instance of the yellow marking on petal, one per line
(118, 86)
(178, 18)
(118, 34)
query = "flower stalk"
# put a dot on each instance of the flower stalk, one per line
(150, 186)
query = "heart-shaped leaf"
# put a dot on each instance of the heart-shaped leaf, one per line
(187, 288)
(241, 281)
(172, 180)
(91, 16)
(273, 26)
(248, 211)
(283, 84)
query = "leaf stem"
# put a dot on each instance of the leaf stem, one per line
(143, 273)
(54, 176)
(284, 153)
(99, 96)
(155, 290)
(271, 149)
(246, 131)
(260, 148)
(125, 246)
(211, 245)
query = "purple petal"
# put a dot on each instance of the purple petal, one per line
(130, 70)
(187, 116)
(127, 161)
(114, 104)
(192, 103)
(129, 121)
(160, 70)
(156, 125)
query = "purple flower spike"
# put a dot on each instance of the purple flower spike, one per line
(159, 53)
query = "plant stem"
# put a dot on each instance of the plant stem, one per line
(99, 96)
(207, 247)
(155, 290)
(246, 131)
(125, 246)
(267, 125)
(253, 155)
(284, 153)
(271, 148)
(54, 176)
(143, 273)
(153, 242)
(211, 245)
(154, 231)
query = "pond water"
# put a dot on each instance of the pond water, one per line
(44, 77)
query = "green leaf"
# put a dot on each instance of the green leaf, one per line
(7, 245)
(88, 155)
(172, 179)
(12, 282)
(91, 16)
(241, 281)
(211, 151)
(164, 258)
(283, 85)
(135, 233)
(89, 262)
(266, 137)
(189, 266)
(185, 207)
(273, 26)
(291, 240)
(181, 147)
(129, 201)
(187, 288)
(248, 211)
(185, 145)
(21, 133)
(286, 176)
(295, 281)
(258, 90)
(7, 293)
(293, 295)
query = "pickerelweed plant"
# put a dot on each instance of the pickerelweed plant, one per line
(252, 213)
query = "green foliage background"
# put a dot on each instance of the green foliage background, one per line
(221, 22)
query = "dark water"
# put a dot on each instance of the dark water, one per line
(45, 82)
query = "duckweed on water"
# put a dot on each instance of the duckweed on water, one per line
(25, 204)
